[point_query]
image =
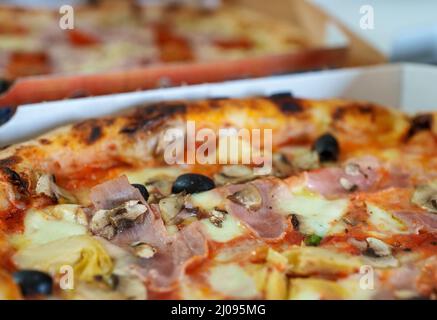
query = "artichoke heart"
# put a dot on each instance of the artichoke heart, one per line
(84, 253)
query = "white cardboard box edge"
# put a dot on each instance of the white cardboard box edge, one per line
(410, 87)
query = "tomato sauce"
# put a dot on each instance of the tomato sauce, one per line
(81, 38)
(172, 47)
(12, 220)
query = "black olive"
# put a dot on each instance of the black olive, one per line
(192, 183)
(419, 123)
(33, 282)
(4, 85)
(327, 147)
(142, 189)
(281, 95)
(286, 102)
(5, 114)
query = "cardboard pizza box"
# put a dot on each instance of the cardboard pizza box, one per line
(332, 46)
(409, 87)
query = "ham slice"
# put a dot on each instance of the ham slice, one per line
(171, 261)
(265, 221)
(113, 193)
(357, 175)
(173, 252)
(418, 220)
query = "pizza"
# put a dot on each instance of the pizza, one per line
(348, 210)
(118, 35)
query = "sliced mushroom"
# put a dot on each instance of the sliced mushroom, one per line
(359, 244)
(282, 166)
(171, 206)
(425, 196)
(378, 248)
(159, 188)
(143, 250)
(294, 159)
(249, 197)
(382, 262)
(186, 216)
(107, 223)
(217, 217)
(234, 174)
(46, 185)
(352, 169)
(347, 185)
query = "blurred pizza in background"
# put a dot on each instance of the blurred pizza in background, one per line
(113, 35)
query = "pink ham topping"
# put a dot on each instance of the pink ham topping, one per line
(113, 193)
(419, 220)
(264, 221)
(173, 252)
(359, 175)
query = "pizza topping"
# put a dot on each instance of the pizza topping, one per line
(9, 290)
(420, 123)
(142, 189)
(282, 166)
(313, 240)
(233, 174)
(174, 254)
(83, 252)
(171, 206)
(254, 204)
(295, 159)
(81, 38)
(46, 185)
(286, 102)
(192, 183)
(315, 213)
(327, 148)
(159, 189)
(143, 250)
(33, 282)
(417, 221)
(425, 196)
(347, 185)
(352, 169)
(249, 197)
(295, 221)
(217, 217)
(361, 174)
(107, 223)
(377, 248)
(113, 193)
(23, 63)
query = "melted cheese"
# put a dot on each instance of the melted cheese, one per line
(317, 214)
(233, 281)
(384, 222)
(50, 224)
(317, 289)
(231, 228)
(149, 174)
(206, 200)
(309, 260)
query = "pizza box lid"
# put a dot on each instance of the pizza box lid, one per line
(409, 87)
